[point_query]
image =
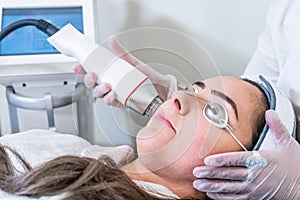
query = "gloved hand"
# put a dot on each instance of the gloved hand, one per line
(165, 85)
(226, 177)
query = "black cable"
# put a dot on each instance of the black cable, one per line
(42, 25)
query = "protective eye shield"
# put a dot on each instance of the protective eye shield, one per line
(284, 109)
(276, 101)
(215, 114)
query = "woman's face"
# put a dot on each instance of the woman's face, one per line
(178, 137)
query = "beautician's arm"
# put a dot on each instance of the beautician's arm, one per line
(226, 177)
(264, 60)
(164, 84)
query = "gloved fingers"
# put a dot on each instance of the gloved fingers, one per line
(279, 131)
(111, 99)
(225, 173)
(227, 196)
(102, 89)
(78, 69)
(221, 186)
(90, 80)
(228, 159)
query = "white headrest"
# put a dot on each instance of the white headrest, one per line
(284, 109)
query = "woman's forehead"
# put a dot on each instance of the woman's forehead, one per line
(240, 91)
(222, 82)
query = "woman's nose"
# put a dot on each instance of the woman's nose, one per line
(181, 102)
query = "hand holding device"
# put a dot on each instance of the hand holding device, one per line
(226, 176)
(133, 88)
(164, 84)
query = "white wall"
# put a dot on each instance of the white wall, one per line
(228, 29)
(192, 39)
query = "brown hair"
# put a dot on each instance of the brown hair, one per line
(258, 117)
(84, 178)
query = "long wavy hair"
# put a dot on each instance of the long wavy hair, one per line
(82, 177)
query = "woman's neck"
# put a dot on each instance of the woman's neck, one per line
(137, 171)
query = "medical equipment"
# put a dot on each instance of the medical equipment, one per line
(217, 115)
(39, 81)
(34, 49)
(133, 88)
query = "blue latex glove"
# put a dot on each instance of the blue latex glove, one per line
(226, 176)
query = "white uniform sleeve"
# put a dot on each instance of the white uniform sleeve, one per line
(264, 61)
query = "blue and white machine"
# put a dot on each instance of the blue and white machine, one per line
(36, 80)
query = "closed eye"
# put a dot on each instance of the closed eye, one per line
(221, 95)
(200, 84)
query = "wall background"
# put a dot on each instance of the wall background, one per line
(227, 29)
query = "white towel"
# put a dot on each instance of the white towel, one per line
(38, 146)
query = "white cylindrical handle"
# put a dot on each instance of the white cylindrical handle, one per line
(122, 76)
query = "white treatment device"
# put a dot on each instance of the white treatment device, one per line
(132, 87)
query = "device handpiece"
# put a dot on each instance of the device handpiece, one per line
(132, 87)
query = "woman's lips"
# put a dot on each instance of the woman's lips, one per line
(167, 122)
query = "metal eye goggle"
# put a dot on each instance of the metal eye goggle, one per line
(214, 113)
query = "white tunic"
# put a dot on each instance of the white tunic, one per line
(277, 56)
